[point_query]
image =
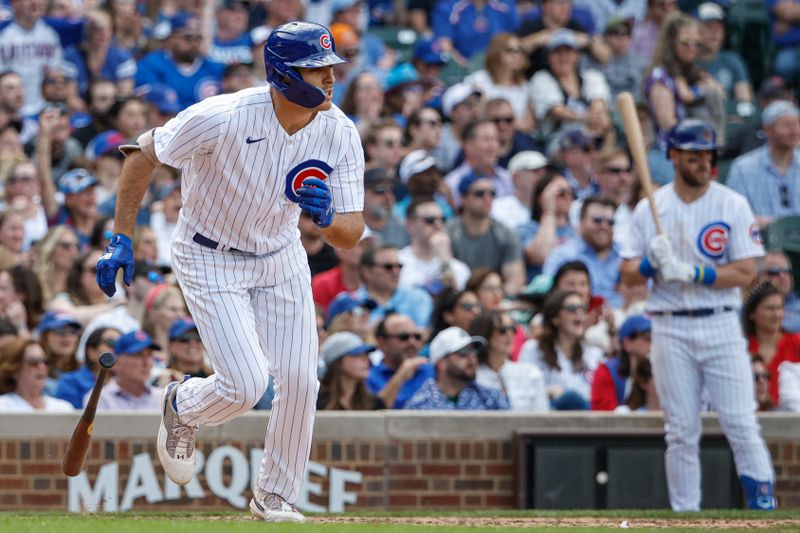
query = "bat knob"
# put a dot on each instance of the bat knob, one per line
(107, 360)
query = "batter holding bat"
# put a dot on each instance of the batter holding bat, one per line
(705, 255)
(251, 162)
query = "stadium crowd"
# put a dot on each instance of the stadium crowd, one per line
(498, 190)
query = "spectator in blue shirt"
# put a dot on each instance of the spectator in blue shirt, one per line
(784, 16)
(769, 177)
(594, 246)
(73, 386)
(465, 27)
(454, 353)
(403, 369)
(232, 42)
(181, 64)
(380, 273)
(97, 58)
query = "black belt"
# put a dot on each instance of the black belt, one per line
(706, 311)
(209, 243)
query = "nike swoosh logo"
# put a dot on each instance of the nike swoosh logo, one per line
(251, 141)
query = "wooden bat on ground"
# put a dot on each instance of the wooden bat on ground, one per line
(78, 445)
(633, 131)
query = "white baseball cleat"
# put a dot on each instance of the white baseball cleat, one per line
(176, 440)
(273, 508)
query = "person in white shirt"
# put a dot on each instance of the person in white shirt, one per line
(526, 169)
(568, 363)
(789, 386)
(522, 383)
(429, 257)
(23, 374)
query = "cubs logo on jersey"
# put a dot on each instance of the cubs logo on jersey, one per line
(755, 234)
(713, 239)
(313, 168)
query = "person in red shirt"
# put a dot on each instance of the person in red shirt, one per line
(345, 277)
(762, 316)
(626, 380)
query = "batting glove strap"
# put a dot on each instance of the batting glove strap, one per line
(705, 275)
(315, 198)
(646, 268)
(118, 254)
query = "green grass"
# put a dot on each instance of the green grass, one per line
(205, 522)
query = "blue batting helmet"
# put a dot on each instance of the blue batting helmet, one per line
(692, 135)
(299, 44)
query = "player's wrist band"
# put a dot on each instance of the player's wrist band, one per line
(705, 275)
(646, 268)
(121, 238)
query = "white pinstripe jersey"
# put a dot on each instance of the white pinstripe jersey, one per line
(716, 229)
(235, 159)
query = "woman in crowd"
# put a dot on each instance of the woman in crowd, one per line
(566, 361)
(186, 352)
(129, 117)
(676, 87)
(164, 305)
(346, 366)
(23, 373)
(564, 95)
(522, 383)
(83, 298)
(12, 235)
(11, 307)
(29, 292)
(56, 253)
(24, 196)
(347, 313)
(487, 285)
(423, 130)
(504, 77)
(454, 308)
(59, 334)
(363, 101)
(73, 386)
(762, 316)
(761, 382)
(549, 225)
(145, 244)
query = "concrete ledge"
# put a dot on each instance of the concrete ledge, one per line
(380, 425)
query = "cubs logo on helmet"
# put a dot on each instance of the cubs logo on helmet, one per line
(325, 41)
(313, 168)
(713, 239)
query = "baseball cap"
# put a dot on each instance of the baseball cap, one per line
(401, 75)
(414, 163)
(180, 327)
(341, 344)
(710, 11)
(345, 303)
(344, 35)
(778, 109)
(55, 320)
(456, 94)
(184, 22)
(527, 160)
(634, 325)
(106, 143)
(467, 181)
(452, 340)
(134, 342)
(376, 176)
(63, 67)
(618, 23)
(148, 269)
(163, 97)
(773, 87)
(576, 138)
(561, 38)
(430, 51)
(76, 180)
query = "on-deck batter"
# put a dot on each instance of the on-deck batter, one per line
(251, 161)
(707, 252)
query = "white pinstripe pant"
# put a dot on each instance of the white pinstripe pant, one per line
(255, 315)
(688, 354)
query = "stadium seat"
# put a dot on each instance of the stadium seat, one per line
(398, 38)
(749, 35)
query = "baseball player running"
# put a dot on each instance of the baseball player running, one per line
(707, 253)
(251, 161)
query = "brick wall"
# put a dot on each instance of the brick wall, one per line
(400, 467)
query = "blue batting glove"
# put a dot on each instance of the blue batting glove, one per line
(316, 200)
(119, 254)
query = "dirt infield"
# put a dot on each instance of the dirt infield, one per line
(565, 522)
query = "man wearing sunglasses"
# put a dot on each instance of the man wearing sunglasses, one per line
(594, 246)
(777, 269)
(454, 354)
(403, 370)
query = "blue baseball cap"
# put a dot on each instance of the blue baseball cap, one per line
(184, 21)
(430, 51)
(467, 181)
(55, 320)
(76, 180)
(134, 342)
(634, 325)
(163, 97)
(345, 303)
(180, 327)
(106, 143)
(401, 75)
(562, 38)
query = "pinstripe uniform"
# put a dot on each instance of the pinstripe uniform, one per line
(690, 353)
(237, 255)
